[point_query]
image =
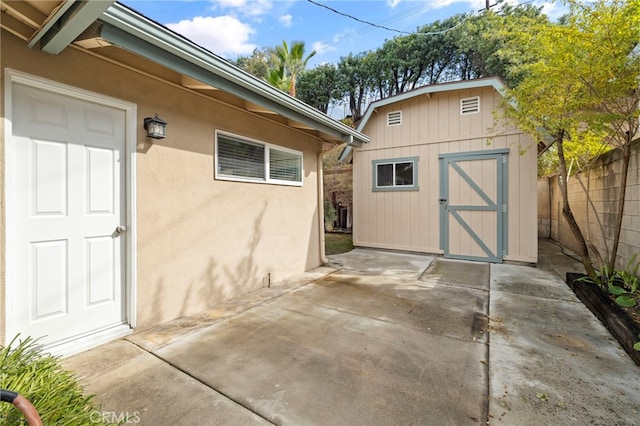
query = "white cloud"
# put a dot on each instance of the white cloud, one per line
(223, 35)
(393, 3)
(322, 47)
(286, 20)
(252, 8)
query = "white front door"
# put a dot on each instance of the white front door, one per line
(68, 212)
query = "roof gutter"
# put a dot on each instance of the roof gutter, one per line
(138, 34)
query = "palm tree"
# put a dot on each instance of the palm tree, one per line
(276, 78)
(292, 62)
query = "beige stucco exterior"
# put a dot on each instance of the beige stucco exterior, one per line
(199, 240)
(432, 125)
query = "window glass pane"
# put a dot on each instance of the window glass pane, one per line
(384, 175)
(285, 165)
(404, 173)
(240, 158)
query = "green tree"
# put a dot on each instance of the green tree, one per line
(583, 83)
(607, 65)
(488, 44)
(276, 77)
(320, 86)
(259, 62)
(293, 62)
(357, 78)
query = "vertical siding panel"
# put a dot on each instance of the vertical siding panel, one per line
(359, 201)
(433, 119)
(514, 164)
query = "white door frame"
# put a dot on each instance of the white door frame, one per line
(130, 110)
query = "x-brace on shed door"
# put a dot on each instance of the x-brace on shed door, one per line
(473, 205)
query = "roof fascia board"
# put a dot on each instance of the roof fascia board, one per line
(434, 88)
(129, 30)
(79, 18)
(48, 23)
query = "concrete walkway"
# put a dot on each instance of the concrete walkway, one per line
(378, 338)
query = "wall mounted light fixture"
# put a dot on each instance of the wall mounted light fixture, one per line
(156, 127)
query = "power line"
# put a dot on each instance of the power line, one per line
(374, 25)
(357, 19)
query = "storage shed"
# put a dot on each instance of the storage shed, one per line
(440, 177)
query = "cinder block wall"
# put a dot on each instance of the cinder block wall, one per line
(544, 208)
(596, 214)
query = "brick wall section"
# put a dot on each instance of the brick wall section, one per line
(596, 215)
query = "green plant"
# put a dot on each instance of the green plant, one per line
(637, 344)
(329, 214)
(623, 284)
(39, 377)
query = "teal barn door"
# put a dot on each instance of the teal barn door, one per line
(473, 205)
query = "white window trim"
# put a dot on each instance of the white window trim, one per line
(267, 148)
(376, 163)
(473, 98)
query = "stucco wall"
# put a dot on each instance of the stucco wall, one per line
(200, 240)
(596, 214)
(432, 126)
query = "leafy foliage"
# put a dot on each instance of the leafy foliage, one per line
(457, 48)
(259, 62)
(320, 86)
(581, 92)
(292, 62)
(623, 284)
(39, 377)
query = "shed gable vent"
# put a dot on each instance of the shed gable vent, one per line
(394, 118)
(470, 105)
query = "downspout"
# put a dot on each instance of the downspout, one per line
(323, 257)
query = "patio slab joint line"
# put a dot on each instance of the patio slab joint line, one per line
(487, 407)
(203, 383)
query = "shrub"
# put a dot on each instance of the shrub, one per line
(40, 378)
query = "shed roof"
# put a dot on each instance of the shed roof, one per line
(494, 82)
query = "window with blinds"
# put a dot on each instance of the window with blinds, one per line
(284, 165)
(248, 160)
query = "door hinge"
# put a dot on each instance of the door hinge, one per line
(504, 208)
(504, 159)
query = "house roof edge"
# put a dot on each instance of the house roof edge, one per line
(138, 25)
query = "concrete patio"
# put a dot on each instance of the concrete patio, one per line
(378, 338)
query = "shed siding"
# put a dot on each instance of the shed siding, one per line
(410, 220)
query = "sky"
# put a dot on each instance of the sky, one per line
(232, 28)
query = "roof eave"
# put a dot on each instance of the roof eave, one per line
(128, 29)
(67, 23)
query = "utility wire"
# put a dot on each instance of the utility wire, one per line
(406, 33)
(357, 19)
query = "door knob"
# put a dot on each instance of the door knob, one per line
(121, 229)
